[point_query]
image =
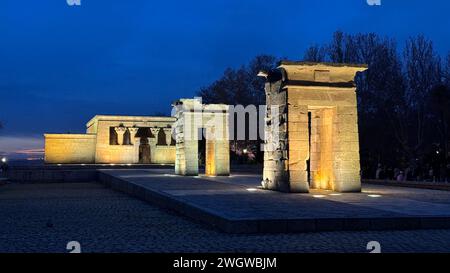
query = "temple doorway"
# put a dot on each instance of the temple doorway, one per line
(202, 138)
(201, 148)
(144, 135)
(144, 151)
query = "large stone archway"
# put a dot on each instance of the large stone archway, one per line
(191, 115)
(312, 128)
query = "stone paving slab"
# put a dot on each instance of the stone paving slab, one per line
(235, 204)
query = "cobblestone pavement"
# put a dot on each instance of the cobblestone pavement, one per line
(44, 217)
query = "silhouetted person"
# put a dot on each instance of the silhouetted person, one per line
(4, 168)
(396, 173)
(431, 174)
(448, 172)
(378, 172)
(443, 173)
(408, 172)
(400, 177)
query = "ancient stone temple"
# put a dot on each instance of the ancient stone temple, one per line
(195, 121)
(311, 128)
(115, 140)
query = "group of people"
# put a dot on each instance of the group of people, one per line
(429, 173)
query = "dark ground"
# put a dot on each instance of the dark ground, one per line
(45, 217)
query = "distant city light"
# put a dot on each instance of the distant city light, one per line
(4, 159)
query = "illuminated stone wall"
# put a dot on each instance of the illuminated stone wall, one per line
(311, 120)
(97, 142)
(191, 116)
(128, 153)
(69, 148)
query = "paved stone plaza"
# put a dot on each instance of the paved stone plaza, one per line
(235, 204)
(44, 217)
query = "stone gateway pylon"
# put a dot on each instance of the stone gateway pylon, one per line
(195, 121)
(311, 128)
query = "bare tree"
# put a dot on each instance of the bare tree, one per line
(336, 49)
(241, 86)
(440, 105)
(422, 72)
(446, 70)
(315, 53)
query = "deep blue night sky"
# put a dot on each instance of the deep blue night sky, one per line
(61, 65)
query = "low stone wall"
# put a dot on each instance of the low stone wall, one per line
(410, 184)
(52, 175)
(163, 154)
(70, 148)
(65, 173)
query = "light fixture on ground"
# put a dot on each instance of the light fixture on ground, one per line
(319, 196)
(374, 195)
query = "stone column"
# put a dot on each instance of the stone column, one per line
(168, 133)
(120, 133)
(136, 143)
(346, 161)
(155, 132)
(133, 131)
(152, 141)
(186, 147)
(298, 139)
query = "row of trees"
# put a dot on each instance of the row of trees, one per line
(241, 87)
(403, 98)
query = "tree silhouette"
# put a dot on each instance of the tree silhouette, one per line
(403, 97)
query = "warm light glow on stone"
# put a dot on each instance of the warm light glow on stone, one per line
(111, 139)
(313, 129)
